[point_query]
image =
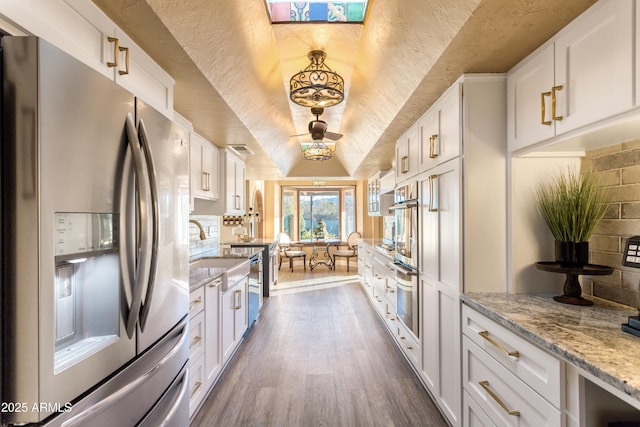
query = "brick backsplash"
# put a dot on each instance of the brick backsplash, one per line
(211, 225)
(618, 170)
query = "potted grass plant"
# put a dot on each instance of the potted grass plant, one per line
(572, 205)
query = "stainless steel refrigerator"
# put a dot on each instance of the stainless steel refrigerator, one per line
(94, 248)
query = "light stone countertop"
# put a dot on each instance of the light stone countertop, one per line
(589, 337)
(199, 276)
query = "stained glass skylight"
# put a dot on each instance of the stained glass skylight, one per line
(349, 11)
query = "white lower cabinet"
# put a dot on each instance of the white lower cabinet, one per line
(213, 356)
(472, 413)
(197, 384)
(233, 314)
(507, 380)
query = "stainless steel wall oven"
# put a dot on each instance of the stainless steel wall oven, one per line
(406, 215)
(406, 258)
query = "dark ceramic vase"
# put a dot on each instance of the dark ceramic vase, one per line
(572, 254)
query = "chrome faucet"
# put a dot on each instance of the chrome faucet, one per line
(203, 235)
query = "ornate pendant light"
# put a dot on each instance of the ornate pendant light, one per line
(318, 151)
(317, 85)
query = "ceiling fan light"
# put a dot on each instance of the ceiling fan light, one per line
(318, 151)
(317, 85)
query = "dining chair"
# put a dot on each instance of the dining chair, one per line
(290, 250)
(350, 248)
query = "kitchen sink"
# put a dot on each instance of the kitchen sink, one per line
(236, 268)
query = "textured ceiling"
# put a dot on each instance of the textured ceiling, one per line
(232, 69)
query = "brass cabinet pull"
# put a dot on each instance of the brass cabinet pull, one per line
(116, 49)
(432, 190)
(215, 283)
(553, 103)
(126, 61)
(403, 164)
(196, 340)
(238, 294)
(195, 302)
(205, 181)
(485, 385)
(485, 335)
(432, 147)
(548, 123)
(196, 387)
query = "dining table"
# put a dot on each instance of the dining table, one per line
(320, 252)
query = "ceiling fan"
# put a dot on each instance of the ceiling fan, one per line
(318, 128)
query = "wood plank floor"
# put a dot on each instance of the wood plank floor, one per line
(318, 356)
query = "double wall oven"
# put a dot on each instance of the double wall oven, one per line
(406, 258)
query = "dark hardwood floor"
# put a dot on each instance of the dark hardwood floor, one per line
(318, 356)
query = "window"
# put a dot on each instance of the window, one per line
(318, 213)
(350, 11)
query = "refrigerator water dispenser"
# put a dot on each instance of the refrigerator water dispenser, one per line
(87, 287)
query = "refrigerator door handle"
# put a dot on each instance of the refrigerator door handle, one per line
(155, 222)
(143, 250)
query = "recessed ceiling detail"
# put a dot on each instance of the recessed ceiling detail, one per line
(349, 11)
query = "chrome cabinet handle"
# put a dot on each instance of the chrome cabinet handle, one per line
(116, 49)
(553, 103)
(485, 335)
(494, 396)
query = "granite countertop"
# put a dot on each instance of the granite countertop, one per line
(199, 276)
(260, 242)
(589, 337)
(374, 244)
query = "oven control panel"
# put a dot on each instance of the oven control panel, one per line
(631, 256)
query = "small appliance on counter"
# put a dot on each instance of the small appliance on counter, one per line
(631, 258)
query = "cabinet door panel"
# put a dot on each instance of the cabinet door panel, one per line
(449, 140)
(227, 318)
(448, 206)
(449, 353)
(594, 65)
(430, 318)
(525, 87)
(213, 362)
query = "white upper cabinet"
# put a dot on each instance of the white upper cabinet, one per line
(235, 184)
(204, 169)
(407, 154)
(81, 29)
(439, 130)
(582, 75)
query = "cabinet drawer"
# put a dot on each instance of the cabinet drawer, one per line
(506, 400)
(196, 335)
(408, 344)
(531, 364)
(196, 302)
(472, 413)
(196, 384)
